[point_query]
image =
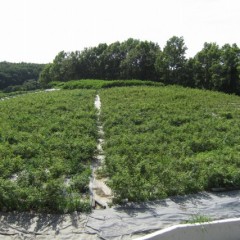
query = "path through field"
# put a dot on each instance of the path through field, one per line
(119, 222)
(101, 194)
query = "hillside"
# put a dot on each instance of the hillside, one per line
(159, 141)
(19, 76)
(47, 141)
(166, 141)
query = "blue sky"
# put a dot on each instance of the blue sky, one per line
(36, 30)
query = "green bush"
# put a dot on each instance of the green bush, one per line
(46, 138)
(98, 84)
(170, 140)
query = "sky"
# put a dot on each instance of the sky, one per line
(37, 30)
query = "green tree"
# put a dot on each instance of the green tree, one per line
(12, 74)
(45, 76)
(111, 60)
(230, 60)
(126, 66)
(171, 62)
(217, 68)
(90, 62)
(208, 69)
(59, 68)
(139, 62)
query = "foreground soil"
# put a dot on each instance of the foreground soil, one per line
(120, 222)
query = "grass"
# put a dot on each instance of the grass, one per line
(98, 84)
(170, 140)
(47, 141)
(198, 219)
(3, 94)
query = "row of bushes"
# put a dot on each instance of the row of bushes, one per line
(166, 141)
(47, 142)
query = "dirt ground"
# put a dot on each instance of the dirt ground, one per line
(120, 222)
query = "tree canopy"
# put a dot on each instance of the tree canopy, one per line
(214, 67)
(171, 62)
(15, 74)
(131, 59)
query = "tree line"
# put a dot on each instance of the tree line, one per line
(19, 76)
(214, 67)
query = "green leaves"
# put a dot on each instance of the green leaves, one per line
(47, 138)
(158, 142)
(171, 62)
(13, 75)
(98, 84)
(169, 140)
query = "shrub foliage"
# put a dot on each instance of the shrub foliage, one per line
(47, 141)
(165, 141)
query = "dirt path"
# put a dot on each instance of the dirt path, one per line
(101, 194)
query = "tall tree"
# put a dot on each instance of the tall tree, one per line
(90, 62)
(59, 70)
(139, 61)
(126, 66)
(45, 75)
(12, 74)
(171, 62)
(207, 67)
(230, 60)
(111, 60)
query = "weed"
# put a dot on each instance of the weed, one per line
(198, 219)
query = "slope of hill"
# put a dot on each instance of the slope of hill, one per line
(19, 76)
(159, 141)
(170, 140)
(47, 141)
